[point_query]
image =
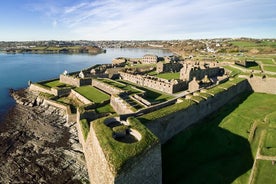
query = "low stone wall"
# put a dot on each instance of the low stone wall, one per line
(80, 97)
(142, 100)
(53, 91)
(106, 88)
(119, 105)
(39, 88)
(97, 165)
(168, 126)
(262, 85)
(69, 116)
(61, 91)
(158, 84)
(74, 81)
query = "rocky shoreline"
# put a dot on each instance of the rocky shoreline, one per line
(38, 145)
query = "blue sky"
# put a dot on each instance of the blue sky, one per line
(136, 19)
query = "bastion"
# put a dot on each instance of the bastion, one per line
(125, 146)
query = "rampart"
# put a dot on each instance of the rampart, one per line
(166, 127)
(74, 81)
(262, 85)
(159, 84)
(39, 88)
(119, 105)
(105, 87)
(143, 168)
(80, 97)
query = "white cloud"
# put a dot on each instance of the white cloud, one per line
(161, 19)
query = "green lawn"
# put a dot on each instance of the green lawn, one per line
(168, 75)
(54, 83)
(119, 153)
(270, 68)
(125, 87)
(265, 172)
(217, 149)
(234, 71)
(265, 60)
(92, 94)
(254, 44)
(105, 109)
(166, 111)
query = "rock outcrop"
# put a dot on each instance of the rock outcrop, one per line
(38, 145)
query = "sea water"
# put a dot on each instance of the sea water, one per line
(17, 69)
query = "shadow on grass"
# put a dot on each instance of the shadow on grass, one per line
(206, 153)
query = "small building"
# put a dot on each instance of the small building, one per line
(120, 61)
(168, 67)
(193, 85)
(246, 63)
(149, 59)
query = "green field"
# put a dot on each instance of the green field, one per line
(92, 94)
(270, 68)
(265, 60)
(126, 87)
(218, 149)
(168, 75)
(265, 172)
(254, 44)
(54, 83)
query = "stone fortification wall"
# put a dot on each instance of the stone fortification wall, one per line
(53, 91)
(39, 88)
(61, 91)
(119, 105)
(97, 165)
(262, 85)
(144, 169)
(80, 97)
(149, 109)
(142, 100)
(106, 88)
(74, 81)
(188, 72)
(168, 67)
(168, 126)
(69, 116)
(159, 84)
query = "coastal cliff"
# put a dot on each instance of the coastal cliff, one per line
(38, 145)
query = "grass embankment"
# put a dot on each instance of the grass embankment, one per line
(169, 75)
(151, 95)
(54, 83)
(125, 87)
(92, 94)
(217, 150)
(118, 153)
(166, 111)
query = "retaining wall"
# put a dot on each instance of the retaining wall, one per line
(168, 126)
(262, 85)
(36, 87)
(80, 97)
(74, 81)
(106, 88)
(119, 105)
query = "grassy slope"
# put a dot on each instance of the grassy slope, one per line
(168, 75)
(92, 94)
(217, 150)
